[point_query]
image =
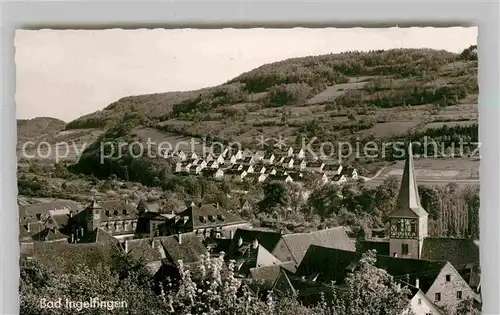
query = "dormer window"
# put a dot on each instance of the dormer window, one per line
(38, 216)
(220, 217)
(202, 219)
(115, 212)
(124, 211)
(107, 213)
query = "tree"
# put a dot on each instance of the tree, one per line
(373, 289)
(275, 195)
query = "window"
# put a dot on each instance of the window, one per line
(459, 295)
(413, 227)
(404, 249)
(448, 278)
(437, 297)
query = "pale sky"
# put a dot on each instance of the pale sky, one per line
(70, 73)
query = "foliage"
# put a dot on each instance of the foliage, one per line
(373, 289)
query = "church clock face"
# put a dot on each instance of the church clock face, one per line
(404, 228)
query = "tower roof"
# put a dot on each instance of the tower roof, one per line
(408, 202)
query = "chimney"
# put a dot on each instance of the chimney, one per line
(395, 255)
(240, 242)
(126, 246)
(255, 244)
(71, 214)
(417, 283)
(28, 226)
(179, 238)
(217, 205)
(231, 234)
(72, 238)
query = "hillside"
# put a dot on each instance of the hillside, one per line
(403, 87)
(352, 96)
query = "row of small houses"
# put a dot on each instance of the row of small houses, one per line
(259, 167)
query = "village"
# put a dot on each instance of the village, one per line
(237, 164)
(440, 272)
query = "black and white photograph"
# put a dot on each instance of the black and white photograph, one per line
(279, 171)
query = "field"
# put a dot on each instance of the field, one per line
(435, 171)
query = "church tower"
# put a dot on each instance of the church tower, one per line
(94, 216)
(408, 222)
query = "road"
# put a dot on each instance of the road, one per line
(430, 181)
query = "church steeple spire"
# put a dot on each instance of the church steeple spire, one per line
(408, 201)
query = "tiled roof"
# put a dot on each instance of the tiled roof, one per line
(268, 239)
(382, 247)
(189, 250)
(143, 249)
(98, 236)
(458, 251)
(207, 215)
(271, 272)
(29, 212)
(333, 264)
(64, 257)
(298, 243)
(114, 210)
(48, 235)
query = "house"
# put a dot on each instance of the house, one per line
(261, 169)
(315, 166)
(237, 153)
(281, 178)
(179, 155)
(196, 161)
(213, 173)
(233, 159)
(150, 251)
(289, 152)
(208, 156)
(239, 205)
(293, 247)
(332, 169)
(194, 169)
(248, 168)
(288, 162)
(278, 159)
(249, 255)
(205, 220)
(350, 173)
(339, 179)
(256, 177)
(182, 167)
(219, 159)
(186, 249)
(324, 179)
(192, 156)
(248, 160)
(118, 218)
(301, 154)
(438, 280)
(268, 158)
(270, 171)
(46, 222)
(296, 176)
(212, 165)
(420, 304)
(236, 175)
(299, 165)
(237, 167)
(259, 155)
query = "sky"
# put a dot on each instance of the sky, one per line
(69, 73)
